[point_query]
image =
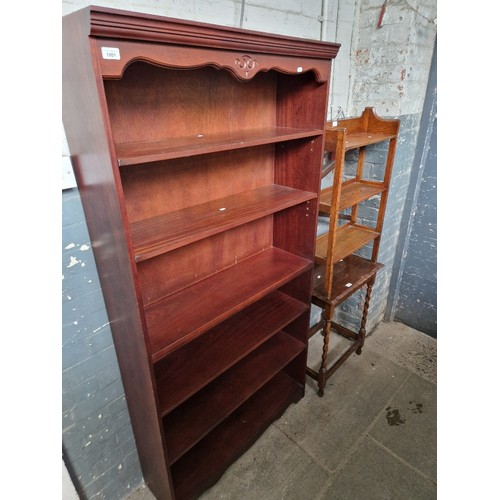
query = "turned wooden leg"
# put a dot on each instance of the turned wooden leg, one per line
(362, 329)
(327, 319)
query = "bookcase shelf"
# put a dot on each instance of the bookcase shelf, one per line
(198, 152)
(134, 153)
(204, 359)
(186, 425)
(193, 473)
(166, 232)
(183, 316)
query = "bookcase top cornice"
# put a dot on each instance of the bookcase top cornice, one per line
(113, 23)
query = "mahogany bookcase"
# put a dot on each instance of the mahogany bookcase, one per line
(197, 151)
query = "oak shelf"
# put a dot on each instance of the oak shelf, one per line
(349, 275)
(135, 153)
(349, 239)
(166, 232)
(359, 139)
(338, 272)
(352, 193)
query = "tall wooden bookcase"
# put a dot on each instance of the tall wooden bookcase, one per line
(339, 272)
(197, 151)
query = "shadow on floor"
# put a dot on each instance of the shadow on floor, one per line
(371, 436)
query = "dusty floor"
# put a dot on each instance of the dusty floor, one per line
(371, 436)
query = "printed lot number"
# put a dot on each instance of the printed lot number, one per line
(110, 53)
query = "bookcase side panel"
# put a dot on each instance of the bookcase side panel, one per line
(89, 140)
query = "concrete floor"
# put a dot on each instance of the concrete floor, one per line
(371, 436)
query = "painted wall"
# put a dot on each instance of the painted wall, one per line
(391, 55)
(413, 292)
(98, 444)
(385, 67)
(417, 299)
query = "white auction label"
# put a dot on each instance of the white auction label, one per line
(110, 53)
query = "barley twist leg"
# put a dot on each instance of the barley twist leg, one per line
(362, 329)
(322, 374)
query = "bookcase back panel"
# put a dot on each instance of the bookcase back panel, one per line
(297, 288)
(294, 109)
(152, 103)
(293, 231)
(175, 270)
(295, 369)
(164, 187)
(290, 160)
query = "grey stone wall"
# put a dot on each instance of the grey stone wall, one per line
(98, 444)
(391, 57)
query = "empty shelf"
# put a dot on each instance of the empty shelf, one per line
(182, 316)
(202, 360)
(349, 239)
(349, 275)
(351, 194)
(156, 235)
(134, 153)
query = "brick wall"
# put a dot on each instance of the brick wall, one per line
(390, 64)
(389, 69)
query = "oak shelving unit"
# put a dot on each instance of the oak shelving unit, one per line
(197, 150)
(339, 272)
